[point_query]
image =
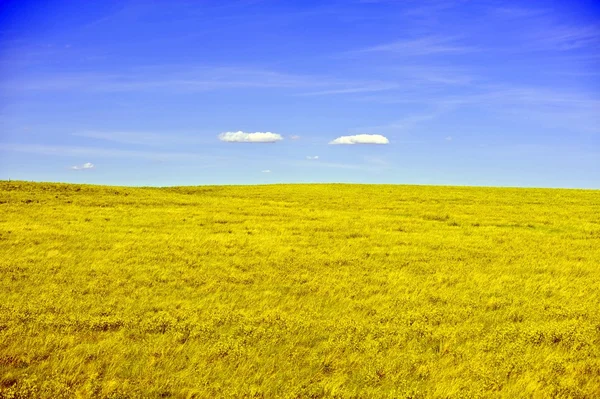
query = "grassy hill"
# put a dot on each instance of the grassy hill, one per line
(298, 291)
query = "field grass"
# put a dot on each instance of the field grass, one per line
(362, 291)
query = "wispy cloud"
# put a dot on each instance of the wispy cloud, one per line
(411, 121)
(427, 45)
(165, 77)
(312, 158)
(565, 38)
(334, 165)
(429, 8)
(177, 79)
(87, 165)
(358, 89)
(77, 151)
(266, 171)
(368, 165)
(361, 139)
(337, 165)
(377, 161)
(189, 80)
(139, 138)
(549, 108)
(243, 137)
(518, 12)
(542, 31)
(575, 109)
(423, 74)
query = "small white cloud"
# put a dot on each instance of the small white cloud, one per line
(294, 137)
(87, 165)
(449, 138)
(257, 137)
(266, 171)
(311, 158)
(361, 139)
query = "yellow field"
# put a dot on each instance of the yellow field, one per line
(298, 291)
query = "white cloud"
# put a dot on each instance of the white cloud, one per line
(294, 137)
(361, 139)
(87, 165)
(266, 171)
(257, 137)
(311, 158)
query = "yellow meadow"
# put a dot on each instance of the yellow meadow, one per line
(297, 291)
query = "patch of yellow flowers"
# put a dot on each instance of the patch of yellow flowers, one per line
(297, 291)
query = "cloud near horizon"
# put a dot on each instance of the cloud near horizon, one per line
(87, 165)
(361, 139)
(257, 137)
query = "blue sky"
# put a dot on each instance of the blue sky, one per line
(494, 93)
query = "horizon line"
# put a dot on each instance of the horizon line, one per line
(2, 181)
